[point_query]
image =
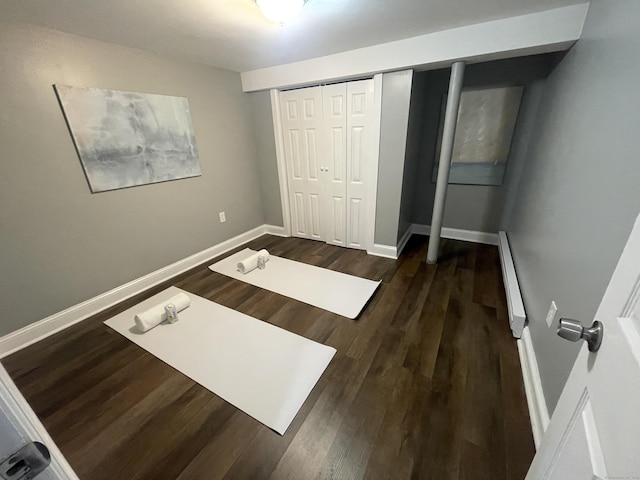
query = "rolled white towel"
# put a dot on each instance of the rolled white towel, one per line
(251, 262)
(155, 315)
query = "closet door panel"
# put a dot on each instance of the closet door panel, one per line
(311, 154)
(359, 151)
(315, 216)
(299, 218)
(334, 165)
(294, 148)
(355, 213)
(302, 126)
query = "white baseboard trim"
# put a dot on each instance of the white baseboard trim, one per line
(37, 331)
(403, 241)
(386, 251)
(533, 387)
(458, 234)
(420, 229)
(275, 230)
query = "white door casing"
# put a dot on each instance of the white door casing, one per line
(20, 425)
(302, 127)
(594, 432)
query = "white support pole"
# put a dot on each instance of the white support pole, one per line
(448, 135)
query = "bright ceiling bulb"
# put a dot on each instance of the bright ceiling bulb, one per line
(280, 11)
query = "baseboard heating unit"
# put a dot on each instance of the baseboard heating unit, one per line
(515, 306)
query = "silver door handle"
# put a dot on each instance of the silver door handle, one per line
(573, 331)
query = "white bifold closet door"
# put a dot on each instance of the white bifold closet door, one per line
(328, 148)
(303, 128)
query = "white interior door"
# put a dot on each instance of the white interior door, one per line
(359, 153)
(595, 429)
(334, 165)
(302, 128)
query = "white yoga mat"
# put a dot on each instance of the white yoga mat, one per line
(336, 292)
(265, 371)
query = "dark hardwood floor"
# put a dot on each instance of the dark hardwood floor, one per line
(426, 384)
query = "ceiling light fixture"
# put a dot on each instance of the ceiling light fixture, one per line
(280, 11)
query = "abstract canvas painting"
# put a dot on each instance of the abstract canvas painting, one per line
(125, 139)
(486, 122)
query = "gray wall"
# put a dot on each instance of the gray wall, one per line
(579, 193)
(60, 244)
(476, 207)
(520, 148)
(413, 151)
(396, 97)
(266, 155)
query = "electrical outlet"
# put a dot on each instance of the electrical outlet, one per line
(551, 314)
(223, 217)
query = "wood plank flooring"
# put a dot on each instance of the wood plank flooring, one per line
(426, 384)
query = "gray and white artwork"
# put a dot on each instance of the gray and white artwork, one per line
(485, 126)
(125, 139)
